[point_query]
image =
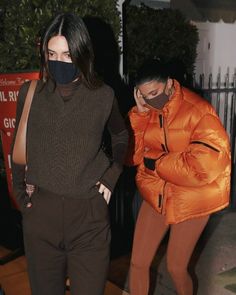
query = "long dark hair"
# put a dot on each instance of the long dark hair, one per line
(74, 30)
(152, 69)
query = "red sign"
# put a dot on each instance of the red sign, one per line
(9, 89)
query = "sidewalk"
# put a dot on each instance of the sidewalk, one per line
(14, 278)
(214, 257)
(214, 260)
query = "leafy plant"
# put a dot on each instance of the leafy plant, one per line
(164, 34)
(23, 20)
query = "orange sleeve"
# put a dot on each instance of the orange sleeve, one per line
(138, 124)
(206, 157)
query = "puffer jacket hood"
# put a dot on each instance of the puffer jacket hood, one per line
(191, 149)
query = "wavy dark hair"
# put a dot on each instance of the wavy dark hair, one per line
(72, 27)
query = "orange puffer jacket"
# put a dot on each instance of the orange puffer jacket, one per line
(191, 176)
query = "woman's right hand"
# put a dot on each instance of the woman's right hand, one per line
(140, 102)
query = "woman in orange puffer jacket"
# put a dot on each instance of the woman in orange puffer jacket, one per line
(182, 154)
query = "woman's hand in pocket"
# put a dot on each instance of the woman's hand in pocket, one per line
(104, 191)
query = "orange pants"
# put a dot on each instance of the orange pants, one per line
(149, 232)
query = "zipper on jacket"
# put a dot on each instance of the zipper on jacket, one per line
(162, 199)
(161, 119)
(159, 200)
(161, 126)
(205, 144)
(163, 147)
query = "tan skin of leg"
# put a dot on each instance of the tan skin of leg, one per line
(149, 232)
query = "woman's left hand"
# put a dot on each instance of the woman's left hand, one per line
(104, 191)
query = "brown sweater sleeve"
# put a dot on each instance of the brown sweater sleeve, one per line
(18, 171)
(119, 141)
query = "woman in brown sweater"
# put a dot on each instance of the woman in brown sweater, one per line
(65, 218)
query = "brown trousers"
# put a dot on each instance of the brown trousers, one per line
(66, 237)
(149, 232)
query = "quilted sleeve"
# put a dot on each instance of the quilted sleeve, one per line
(206, 157)
(138, 124)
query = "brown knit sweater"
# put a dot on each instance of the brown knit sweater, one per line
(64, 139)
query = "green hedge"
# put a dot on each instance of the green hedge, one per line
(22, 21)
(149, 32)
(159, 33)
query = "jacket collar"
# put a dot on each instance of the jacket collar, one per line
(172, 107)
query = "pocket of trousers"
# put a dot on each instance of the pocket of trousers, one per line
(99, 207)
(28, 203)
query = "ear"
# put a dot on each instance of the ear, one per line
(170, 83)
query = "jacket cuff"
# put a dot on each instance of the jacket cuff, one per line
(110, 177)
(138, 119)
(19, 195)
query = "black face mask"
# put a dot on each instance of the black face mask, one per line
(63, 72)
(159, 101)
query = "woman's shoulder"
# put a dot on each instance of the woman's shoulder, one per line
(23, 91)
(198, 102)
(25, 87)
(104, 90)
